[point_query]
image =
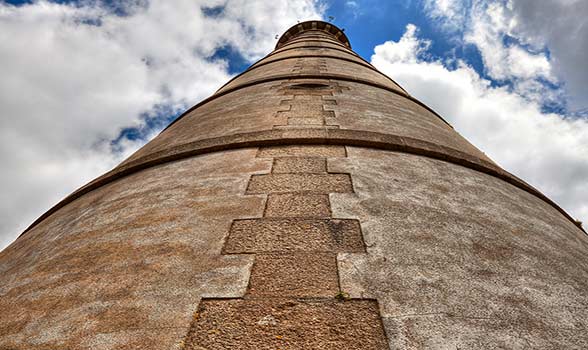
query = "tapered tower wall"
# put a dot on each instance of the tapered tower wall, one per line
(311, 202)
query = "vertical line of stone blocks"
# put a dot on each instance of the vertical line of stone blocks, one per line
(293, 299)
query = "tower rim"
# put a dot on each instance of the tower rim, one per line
(317, 25)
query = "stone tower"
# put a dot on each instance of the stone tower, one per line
(310, 203)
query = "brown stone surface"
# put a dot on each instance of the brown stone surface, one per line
(298, 205)
(299, 165)
(307, 106)
(305, 52)
(461, 259)
(283, 183)
(312, 43)
(316, 39)
(128, 263)
(302, 151)
(303, 90)
(306, 121)
(289, 235)
(310, 37)
(280, 275)
(284, 67)
(288, 324)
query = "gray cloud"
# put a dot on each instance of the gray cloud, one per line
(562, 26)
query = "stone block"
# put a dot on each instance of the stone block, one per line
(306, 121)
(302, 151)
(298, 205)
(287, 324)
(299, 165)
(294, 275)
(289, 235)
(284, 183)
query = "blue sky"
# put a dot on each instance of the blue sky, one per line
(86, 83)
(370, 23)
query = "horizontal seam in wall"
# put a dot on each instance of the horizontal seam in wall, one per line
(331, 48)
(282, 138)
(312, 46)
(312, 37)
(349, 52)
(342, 47)
(300, 40)
(263, 63)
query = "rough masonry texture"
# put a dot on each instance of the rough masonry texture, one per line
(311, 203)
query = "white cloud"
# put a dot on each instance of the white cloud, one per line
(513, 36)
(489, 25)
(407, 49)
(451, 12)
(562, 26)
(525, 65)
(548, 150)
(73, 76)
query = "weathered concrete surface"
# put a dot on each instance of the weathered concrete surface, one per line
(460, 259)
(302, 52)
(368, 108)
(315, 46)
(313, 29)
(312, 45)
(320, 39)
(302, 151)
(126, 265)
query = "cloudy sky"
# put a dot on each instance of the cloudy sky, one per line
(84, 83)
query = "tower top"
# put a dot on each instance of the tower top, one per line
(318, 27)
